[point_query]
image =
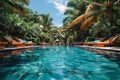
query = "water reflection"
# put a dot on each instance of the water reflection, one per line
(59, 63)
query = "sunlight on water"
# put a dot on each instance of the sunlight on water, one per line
(59, 63)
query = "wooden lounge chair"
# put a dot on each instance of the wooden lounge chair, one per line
(12, 42)
(43, 43)
(110, 42)
(29, 43)
(89, 43)
(26, 43)
(77, 43)
(3, 44)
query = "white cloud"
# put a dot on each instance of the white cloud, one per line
(59, 25)
(59, 4)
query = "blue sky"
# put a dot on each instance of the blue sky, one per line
(55, 8)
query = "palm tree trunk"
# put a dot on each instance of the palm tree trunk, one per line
(110, 13)
(110, 16)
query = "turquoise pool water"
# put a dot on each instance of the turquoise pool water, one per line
(59, 63)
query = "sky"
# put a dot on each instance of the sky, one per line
(55, 8)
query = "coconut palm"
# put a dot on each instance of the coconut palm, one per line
(91, 14)
(42, 26)
(45, 21)
(15, 5)
(110, 9)
(76, 8)
(99, 14)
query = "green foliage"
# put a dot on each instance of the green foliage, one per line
(75, 9)
(32, 26)
(17, 6)
(108, 24)
(26, 27)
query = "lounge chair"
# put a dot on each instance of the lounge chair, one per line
(26, 43)
(29, 43)
(3, 44)
(110, 42)
(43, 43)
(12, 42)
(89, 43)
(77, 43)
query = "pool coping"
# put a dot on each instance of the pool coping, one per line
(15, 48)
(108, 51)
(100, 50)
(117, 49)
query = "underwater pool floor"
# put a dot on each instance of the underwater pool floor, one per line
(59, 63)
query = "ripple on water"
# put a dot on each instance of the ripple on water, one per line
(59, 63)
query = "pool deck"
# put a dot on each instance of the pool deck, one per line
(15, 48)
(109, 51)
(116, 49)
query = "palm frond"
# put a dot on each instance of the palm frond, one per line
(69, 11)
(77, 20)
(71, 4)
(15, 6)
(94, 6)
(88, 22)
(94, 9)
(24, 1)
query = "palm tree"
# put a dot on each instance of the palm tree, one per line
(101, 17)
(91, 14)
(15, 5)
(76, 8)
(45, 21)
(112, 14)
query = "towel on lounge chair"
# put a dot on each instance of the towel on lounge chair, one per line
(13, 42)
(109, 42)
(26, 43)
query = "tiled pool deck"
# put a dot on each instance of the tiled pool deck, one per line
(108, 51)
(14, 48)
(6, 52)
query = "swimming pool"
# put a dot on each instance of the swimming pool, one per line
(58, 63)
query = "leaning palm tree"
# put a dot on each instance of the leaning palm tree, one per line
(91, 14)
(76, 8)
